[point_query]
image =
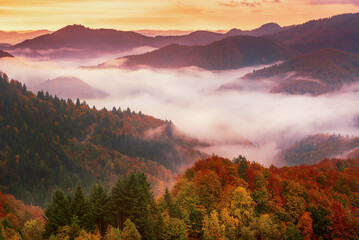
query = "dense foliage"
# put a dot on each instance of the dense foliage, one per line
(215, 199)
(16, 218)
(221, 199)
(47, 142)
(313, 149)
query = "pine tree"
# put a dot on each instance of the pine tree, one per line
(79, 205)
(98, 209)
(58, 213)
(172, 208)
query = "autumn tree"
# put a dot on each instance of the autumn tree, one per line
(208, 188)
(242, 206)
(112, 233)
(212, 229)
(33, 229)
(130, 231)
(305, 226)
(229, 223)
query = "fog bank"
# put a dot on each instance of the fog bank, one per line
(247, 121)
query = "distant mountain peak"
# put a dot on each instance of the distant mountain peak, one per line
(73, 28)
(271, 24)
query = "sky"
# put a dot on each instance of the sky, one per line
(166, 14)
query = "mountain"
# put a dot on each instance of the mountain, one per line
(77, 41)
(154, 33)
(313, 149)
(340, 32)
(17, 37)
(229, 53)
(207, 37)
(314, 73)
(68, 87)
(5, 54)
(47, 142)
(266, 29)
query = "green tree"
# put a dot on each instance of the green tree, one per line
(292, 233)
(113, 234)
(189, 203)
(98, 209)
(79, 205)
(174, 229)
(260, 194)
(130, 231)
(171, 206)
(57, 213)
(321, 222)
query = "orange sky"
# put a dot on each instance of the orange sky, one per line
(165, 14)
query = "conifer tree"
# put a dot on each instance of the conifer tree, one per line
(57, 213)
(98, 209)
(173, 209)
(79, 205)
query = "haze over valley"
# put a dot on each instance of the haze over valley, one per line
(227, 109)
(246, 127)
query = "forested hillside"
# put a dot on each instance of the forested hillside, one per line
(319, 72)
(313, 149)
(216, 199)
(47, 142)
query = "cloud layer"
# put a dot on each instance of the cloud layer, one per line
(248, 121)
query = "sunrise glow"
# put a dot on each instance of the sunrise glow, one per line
(164, 15)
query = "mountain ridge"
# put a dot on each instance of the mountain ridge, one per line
(316, 73)
(228, 53)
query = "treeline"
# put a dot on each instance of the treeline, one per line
(215, 199)
(130, 203)
(47, 142)
(314, 148)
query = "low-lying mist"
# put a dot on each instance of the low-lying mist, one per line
(249, 120)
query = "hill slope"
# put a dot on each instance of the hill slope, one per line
(229, 53)
(5, 54)
(68, 87)
(315, 73)
(47, 142)
(340, 32)
(313, 149)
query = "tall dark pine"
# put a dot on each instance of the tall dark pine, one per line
(57, 213)
(98, 209)
(79, 205)
(131, 199)
(172, 208)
